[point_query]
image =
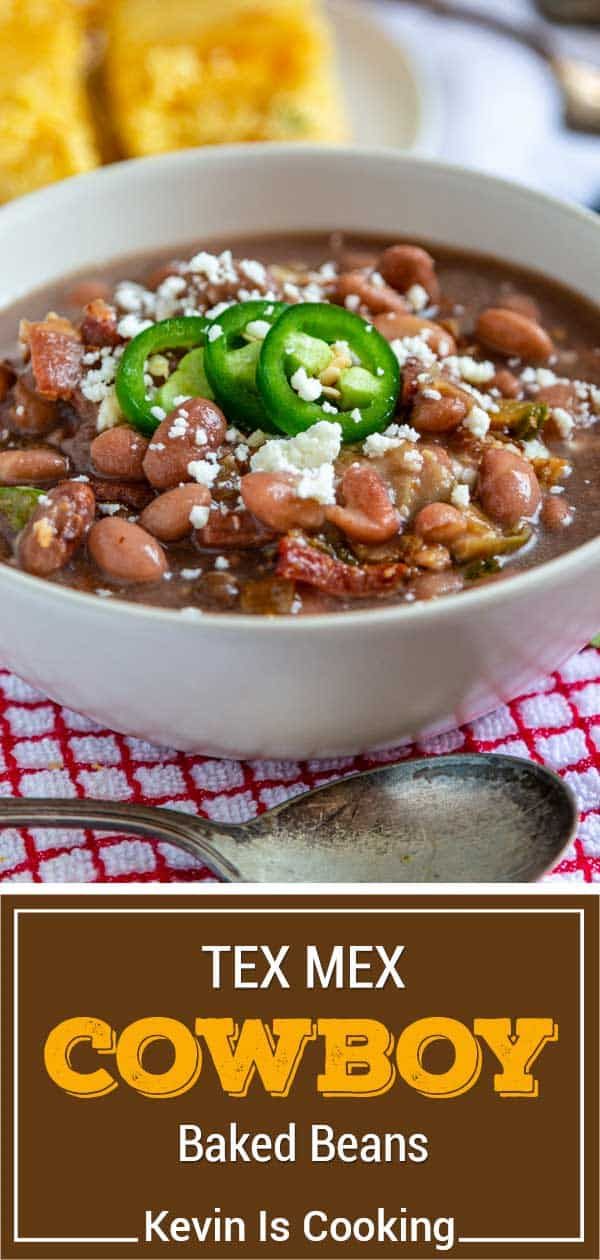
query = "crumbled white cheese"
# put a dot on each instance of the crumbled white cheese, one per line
(418, 297)
(190, 575)
(159, 413)
(477, 422)
(97, 383)
(178, 428)
(255, 271)
(328, 408)
(535, 449)
(200, 437)
(241, 452)
(109, 509)
(258, 328)
(469, 369)
(214, 332)
(356, 415)
(199, 517)
(394, 436)
(433, 394)
(307, 387)
(545, 377)
(217, 310)
(352, 302)
(109, 412)
(130, 325)
(317, 483)
(412, 459)
(460, 496)
(132, 297)
(221, 563)
(180, 399)
(563, 421)
(309, 456)
(414, 348)
(203, 472)
(315, 446)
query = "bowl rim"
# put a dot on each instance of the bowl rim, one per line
(520, 584)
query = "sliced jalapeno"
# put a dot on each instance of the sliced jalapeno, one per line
(298, 386)
(231, 358)
(189, 378)
(185, 333)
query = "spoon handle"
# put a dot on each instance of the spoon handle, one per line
(170, 825)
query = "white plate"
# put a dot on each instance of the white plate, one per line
(391, 93)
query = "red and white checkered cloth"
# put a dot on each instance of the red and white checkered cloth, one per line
(46, 750)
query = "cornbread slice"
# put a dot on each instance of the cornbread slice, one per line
(45, 130)
(197, 72)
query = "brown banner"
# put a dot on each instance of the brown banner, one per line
(300, 1076)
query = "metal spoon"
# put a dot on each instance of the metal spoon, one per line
(478, 818)
(578, 80)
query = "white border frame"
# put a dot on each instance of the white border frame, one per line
(287, 910)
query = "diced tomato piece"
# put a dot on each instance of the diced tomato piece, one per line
(99, 325)
(55, 350)
(299, 560)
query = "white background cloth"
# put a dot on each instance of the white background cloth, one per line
(501, 108)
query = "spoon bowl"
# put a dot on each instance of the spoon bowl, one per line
(480, 818)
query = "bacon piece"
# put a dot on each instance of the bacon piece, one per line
(239, 530)
(304, 563)
(99, 324)
(131, 494)
(55, 349)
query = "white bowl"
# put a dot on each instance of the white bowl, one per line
(307, 686)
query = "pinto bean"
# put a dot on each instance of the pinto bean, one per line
(556, 512)
(272, 498)
(404, 265)
(508, 488)
(439, 415)
(369, 515)
(431, 585)
(125, 552)
(403, 324)
(439, 523)
(31, 466)
(187, 434)
(523, 304)
(508, 384)
(30, 414)
(168, 516)
(120, 452)
(376, 298)
(57, 528)
(513, 334)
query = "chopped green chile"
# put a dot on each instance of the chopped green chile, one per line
(375, 380)
(185, 333)
(17, 504)
(488, 544)
(524, 419)
(231, 362)
(188, 380)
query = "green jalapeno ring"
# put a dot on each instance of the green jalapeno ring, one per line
(291, 414)
(183, 333)
(230, 362)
